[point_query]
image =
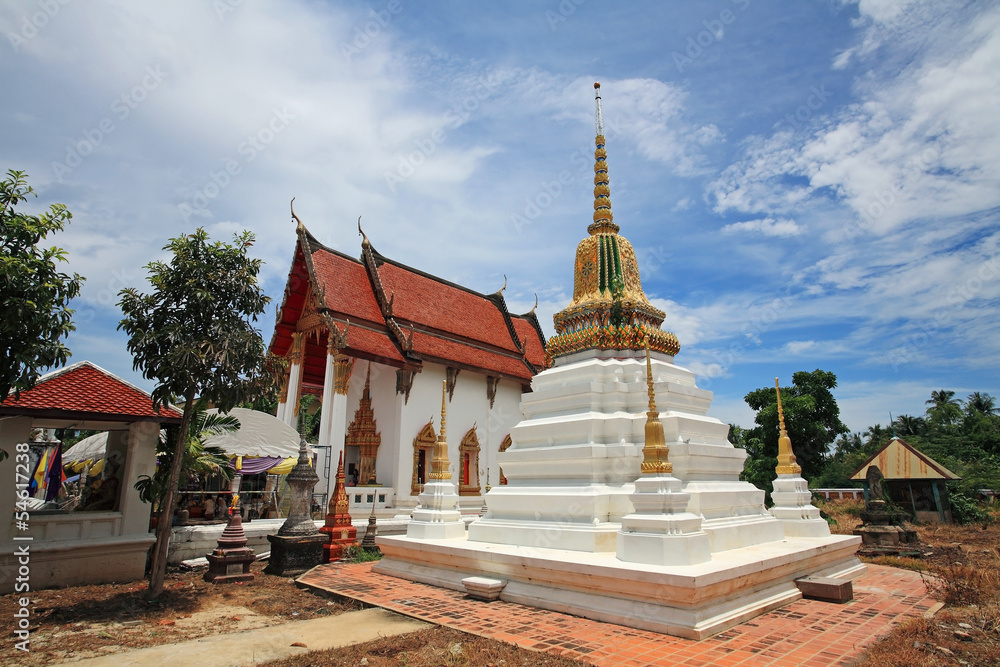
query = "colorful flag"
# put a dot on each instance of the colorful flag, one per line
(38, 476)
(56, 475)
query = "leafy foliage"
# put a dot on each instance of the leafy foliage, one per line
(812, 419)
(194, 335)
(34, 295)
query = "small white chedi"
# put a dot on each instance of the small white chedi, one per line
(612, 510)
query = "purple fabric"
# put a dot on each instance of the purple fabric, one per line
(55, 476)
(254, 465)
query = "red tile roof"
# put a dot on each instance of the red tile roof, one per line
(84, 388)
(386, 301)
(427, 345)
(346, 287)
(534, 351)
(440, 305)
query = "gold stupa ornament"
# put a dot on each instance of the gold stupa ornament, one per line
(363, 433)
(654, 452)
(439, 462)
(786, 459)
(609, 310)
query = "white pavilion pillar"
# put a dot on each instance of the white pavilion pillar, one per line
(343, 365)
(294, 390)
(333, 417)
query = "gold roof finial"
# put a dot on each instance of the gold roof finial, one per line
(298, 223)
(364, 237)
(603, 217)
(786, 459)
(439, 462)
(654, 452)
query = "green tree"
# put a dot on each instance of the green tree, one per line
(194, 335)
(812, 418)
(34, 294)
(981, 402)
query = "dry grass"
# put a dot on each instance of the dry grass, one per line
(963, 570)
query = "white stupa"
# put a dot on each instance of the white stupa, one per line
(582, 526)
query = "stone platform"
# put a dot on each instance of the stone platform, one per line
(692, 601)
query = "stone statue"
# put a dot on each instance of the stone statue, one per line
(876, 491)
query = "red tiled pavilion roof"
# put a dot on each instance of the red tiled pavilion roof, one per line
(401, 316)
(84, 389)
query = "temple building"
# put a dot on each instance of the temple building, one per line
(373, 339)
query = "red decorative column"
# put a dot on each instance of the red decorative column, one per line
(338, 526)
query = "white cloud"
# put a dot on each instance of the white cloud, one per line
(782, 228)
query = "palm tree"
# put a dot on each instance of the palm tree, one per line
(910, 425)
(941, 398)
(981, 402)
(198, 458)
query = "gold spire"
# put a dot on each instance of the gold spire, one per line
(603, 217)
(654, 451)
(786, 459)
(439, 462)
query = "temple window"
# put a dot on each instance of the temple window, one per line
(468, 456)
(423, 447)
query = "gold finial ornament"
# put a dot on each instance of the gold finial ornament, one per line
(786, 459)
(439, 462)
(655, 455)
(609, 310)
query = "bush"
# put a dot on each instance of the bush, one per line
(966, 510)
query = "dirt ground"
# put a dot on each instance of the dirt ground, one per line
(86, 621)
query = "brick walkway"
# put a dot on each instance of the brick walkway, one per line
(806, 632)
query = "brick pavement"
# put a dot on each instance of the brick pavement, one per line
(806, 632)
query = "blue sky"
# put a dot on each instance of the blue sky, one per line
(808, 184)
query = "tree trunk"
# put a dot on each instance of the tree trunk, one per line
(158, 567)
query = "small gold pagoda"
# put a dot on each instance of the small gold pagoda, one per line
(609, 310)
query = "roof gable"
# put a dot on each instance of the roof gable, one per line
(900, 460)
(85, 388)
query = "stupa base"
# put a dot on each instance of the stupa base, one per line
(692, 601)
(291, 556)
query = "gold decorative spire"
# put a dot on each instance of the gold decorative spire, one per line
(786, 459)
(439, 462)
(609, 310)
(654, 451)
(603, 217)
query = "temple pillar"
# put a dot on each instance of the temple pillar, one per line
(341, 365)
(294, 388)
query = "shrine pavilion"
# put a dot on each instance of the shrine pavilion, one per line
(373, 339)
